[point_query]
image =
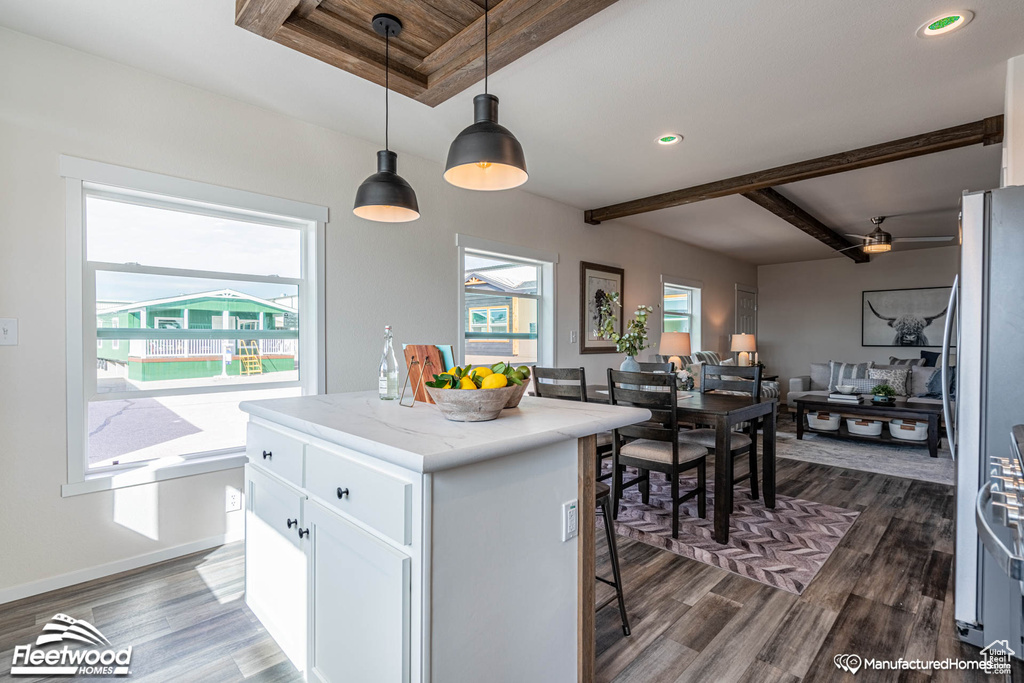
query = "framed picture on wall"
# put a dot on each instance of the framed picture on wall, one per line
(904, 317)
(596, 282)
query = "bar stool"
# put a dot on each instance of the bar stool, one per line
(604, 504)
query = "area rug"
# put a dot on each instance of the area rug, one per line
(784, 547)
(908, 462)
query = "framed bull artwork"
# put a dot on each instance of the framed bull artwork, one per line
(904, 317)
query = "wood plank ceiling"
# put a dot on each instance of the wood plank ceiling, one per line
(440, 50)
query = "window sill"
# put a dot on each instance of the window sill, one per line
(160, 470)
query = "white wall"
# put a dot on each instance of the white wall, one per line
(1013, 124)
(811, 311)
(58, 101)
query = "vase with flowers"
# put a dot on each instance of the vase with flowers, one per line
(634, 339)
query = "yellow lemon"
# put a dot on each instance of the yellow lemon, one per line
(494, 381)
(467, 383)
(481, 372)
(453, 370)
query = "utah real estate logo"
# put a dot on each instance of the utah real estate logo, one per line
(84, 652)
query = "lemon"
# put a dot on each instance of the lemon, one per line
(453, 370)
(481, 372)
(494, 381)
(467, 383)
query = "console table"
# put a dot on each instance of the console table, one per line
(866, 408)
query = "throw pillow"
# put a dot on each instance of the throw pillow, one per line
(935, 386)
(838, 372)
(864, 386)
(893, 360)
(819, 376)
(894, 377)
(709, 357)
(931, 358)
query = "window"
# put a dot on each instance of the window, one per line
(216, 296)
(506, 303)
(681, 309)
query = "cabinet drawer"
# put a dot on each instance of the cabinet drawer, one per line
(373, 497)
(278, 452)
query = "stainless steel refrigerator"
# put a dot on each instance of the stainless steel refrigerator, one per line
(988, 302)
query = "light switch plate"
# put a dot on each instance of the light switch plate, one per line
(572, 336)
(570, 520)
(8, 331)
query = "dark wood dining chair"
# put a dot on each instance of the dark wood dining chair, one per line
(655, 445)
(657, 367)
(570, 384)
(712, 378)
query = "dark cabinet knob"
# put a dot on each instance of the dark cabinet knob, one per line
(292, 522)
(303, 532)
(267, 454)
(342, 493)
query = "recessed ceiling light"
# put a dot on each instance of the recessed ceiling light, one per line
(670, 139)
(945, 23)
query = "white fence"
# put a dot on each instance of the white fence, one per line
(185, 348)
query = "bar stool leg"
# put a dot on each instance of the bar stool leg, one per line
(613, 553)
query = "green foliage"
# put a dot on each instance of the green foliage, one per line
(883, 390)
(634, 339)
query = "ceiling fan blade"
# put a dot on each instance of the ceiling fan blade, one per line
(859, 237)
(935, 238)
(855, 246)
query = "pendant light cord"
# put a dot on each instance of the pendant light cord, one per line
(387, 84)
(487, 11)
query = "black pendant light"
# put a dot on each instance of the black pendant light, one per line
(386, 196)
(486, 156)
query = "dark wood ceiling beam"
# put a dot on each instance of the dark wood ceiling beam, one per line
(263, 17)
(984, 132)
(795, 215)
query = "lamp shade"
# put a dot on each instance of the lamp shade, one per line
(743, 343)
(385, 196)
(486, 155)
(674, 344)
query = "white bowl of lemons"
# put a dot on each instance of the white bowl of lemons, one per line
(478, 394)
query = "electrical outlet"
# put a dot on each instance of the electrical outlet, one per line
(572, 336)
(8, 331)
(232, 499)
(570, 520)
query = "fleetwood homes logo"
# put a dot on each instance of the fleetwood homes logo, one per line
(84, 651)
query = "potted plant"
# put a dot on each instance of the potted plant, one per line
(634, 339)
(884, 393)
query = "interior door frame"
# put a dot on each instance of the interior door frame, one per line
(736, 309)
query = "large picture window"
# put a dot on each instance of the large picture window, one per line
(507, 304)
(192, 306)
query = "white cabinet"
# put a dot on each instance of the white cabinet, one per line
(360, 588)
(275, 561)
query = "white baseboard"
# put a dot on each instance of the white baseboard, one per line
(26, 590)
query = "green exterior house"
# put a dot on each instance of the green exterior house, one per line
(168, 359)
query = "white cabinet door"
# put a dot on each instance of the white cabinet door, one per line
(275, 561)
(359, 588)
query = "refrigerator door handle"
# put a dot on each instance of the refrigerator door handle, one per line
(1012, 564)
(947, 337)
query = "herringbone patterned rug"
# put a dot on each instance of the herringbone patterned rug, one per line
(784, 547)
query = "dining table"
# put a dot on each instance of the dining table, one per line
(724, 412)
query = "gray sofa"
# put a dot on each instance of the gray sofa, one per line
(816, 384)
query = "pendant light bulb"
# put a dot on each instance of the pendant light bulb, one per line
(486, 155)
(385, 196)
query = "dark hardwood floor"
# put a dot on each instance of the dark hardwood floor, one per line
(885, 592)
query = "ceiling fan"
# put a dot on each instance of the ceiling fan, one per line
(879, 241)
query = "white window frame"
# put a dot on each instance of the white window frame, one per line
(545, 297)
(696, 315)
(83, 178)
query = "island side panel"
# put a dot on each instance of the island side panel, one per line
(586, 560)
(504, 584)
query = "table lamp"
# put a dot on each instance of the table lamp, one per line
(674, 345)
(744, 343)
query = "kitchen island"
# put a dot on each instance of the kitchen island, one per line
(385, 543)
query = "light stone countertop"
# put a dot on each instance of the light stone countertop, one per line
(420, 439)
